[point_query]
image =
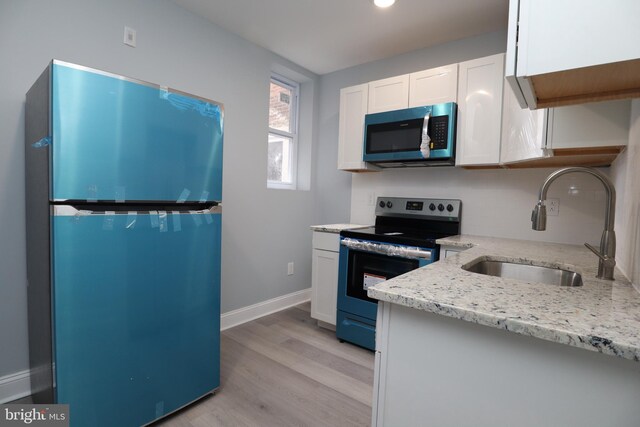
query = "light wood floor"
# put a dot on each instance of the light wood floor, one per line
(282, 370)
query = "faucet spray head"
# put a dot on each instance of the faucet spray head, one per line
(539, 217)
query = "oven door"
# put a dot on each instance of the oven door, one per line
(366, 263)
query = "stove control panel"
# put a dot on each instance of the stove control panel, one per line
(443, 209)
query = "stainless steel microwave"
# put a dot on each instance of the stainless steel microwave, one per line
(419, 136)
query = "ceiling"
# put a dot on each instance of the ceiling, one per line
(328, 35)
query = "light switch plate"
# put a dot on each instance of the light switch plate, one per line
(130, 37)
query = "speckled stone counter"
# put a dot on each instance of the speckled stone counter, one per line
(336, 228)
(601, 315)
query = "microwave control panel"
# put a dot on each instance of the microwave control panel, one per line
(438, 130)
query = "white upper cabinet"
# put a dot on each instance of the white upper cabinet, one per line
(480, 111)
(493, 128)
(434, 86)
(590, 134)
(563, 52)
(524, 131)
(353, 107)
(389, 94)
(602, 124)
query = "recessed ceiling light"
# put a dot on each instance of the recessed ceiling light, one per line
(383, 3)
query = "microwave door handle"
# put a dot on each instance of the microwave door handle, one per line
(425, 140)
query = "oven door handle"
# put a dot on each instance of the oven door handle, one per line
(387, 249)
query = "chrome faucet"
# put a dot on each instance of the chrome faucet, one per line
(607, 251)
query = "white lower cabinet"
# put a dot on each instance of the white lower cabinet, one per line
(324, 277)
(434, 370)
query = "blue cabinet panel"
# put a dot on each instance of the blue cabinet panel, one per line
(136, 301)
(114, 139)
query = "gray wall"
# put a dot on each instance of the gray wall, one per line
(262, 229)
(334, 187)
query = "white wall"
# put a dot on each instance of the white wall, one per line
(262, 229)
(494, 202)
(627, 181)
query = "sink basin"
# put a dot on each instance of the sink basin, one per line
(529, 273)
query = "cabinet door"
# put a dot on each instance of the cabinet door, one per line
(114, 140)
(556, 35)
(480, 111)
(434, 86)
(389, 94)
(602, 124)
(524, 131)
(511, 55)
(353, 107)
(324, 286)
(131, 299)
(554, 59)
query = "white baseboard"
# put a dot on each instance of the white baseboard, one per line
(252, 312)
(15, 386)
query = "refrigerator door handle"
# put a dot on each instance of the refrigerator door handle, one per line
(217, 209)
(69, 210)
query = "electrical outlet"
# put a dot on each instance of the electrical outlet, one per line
(130, 37)
(290, 269)
(553, 207)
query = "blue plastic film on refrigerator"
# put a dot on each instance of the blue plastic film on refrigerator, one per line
(136, 315)
(111, 134)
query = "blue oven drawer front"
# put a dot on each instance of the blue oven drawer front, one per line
(356, 329)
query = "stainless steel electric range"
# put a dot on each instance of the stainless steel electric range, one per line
(403, 239)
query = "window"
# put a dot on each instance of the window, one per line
(283, 129)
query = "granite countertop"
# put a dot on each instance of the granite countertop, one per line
(336, 228)
(601, 315)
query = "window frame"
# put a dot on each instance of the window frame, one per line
(294, 87)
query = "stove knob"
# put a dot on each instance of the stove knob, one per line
(449, 208)
(432, 207)
(381, 203)
(389, 204)
(440, 207)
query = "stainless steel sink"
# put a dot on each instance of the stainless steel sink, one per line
(526, 272)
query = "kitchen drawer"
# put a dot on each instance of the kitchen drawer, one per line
(326, 241)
